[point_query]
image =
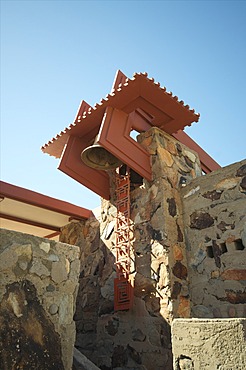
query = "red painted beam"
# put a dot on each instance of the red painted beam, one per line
(39, 200)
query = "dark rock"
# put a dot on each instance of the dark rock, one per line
(243, 183)
(50, 288)
(166, 336)
(119, 357)
(24, 321)
(152, 304)
(157, 235)
(234, 274)
(202, 311)
(217, 253)
(188, 161)
(213, 195)
(86, 340)
(223, 226)
(176, 290)
(241, 171)
(134, 354)
(106, 307)
(172, 209)
(179, 270)
(179, 149)
(95, 242)
(235, 297)
(138, 335)
(112, 327)
(216, 312)
(180, 234)
(201, 220)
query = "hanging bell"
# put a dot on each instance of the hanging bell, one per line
(97, 157)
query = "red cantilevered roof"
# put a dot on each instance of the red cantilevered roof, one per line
(133, 104)
(34, 213)
(167, 111)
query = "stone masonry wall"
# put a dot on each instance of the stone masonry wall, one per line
(215, 228)
(38, 288)
(138, 338)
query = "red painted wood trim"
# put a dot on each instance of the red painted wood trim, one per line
(52, 235)
(115, 137)
(39, 200)
(71, 164)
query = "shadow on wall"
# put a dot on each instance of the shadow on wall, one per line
(136, 339)
(28, 336)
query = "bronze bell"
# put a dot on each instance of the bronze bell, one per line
(97, 157)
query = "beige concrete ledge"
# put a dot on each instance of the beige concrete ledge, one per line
(209, 344)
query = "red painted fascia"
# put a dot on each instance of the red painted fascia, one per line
(39, 200)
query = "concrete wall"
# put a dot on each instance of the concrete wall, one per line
(38, 288)
(215, 231)
(203, 344)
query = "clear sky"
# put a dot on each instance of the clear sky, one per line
(56, 53)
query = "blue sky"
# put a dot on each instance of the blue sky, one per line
(56, 53)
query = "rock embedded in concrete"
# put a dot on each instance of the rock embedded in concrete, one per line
(179, 270)
(222, 245)
(201, 220)
(241, 171)
(31, 302)
(172, 209)
(243, 183)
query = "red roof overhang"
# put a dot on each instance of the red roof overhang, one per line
(151, 105)
(31, 212)
(168, 113)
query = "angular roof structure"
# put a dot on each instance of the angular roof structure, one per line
(166, 111)
(133, 104)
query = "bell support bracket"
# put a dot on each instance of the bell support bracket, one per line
(114, 135)
(72, 165)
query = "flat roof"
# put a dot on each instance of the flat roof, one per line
(33, 213)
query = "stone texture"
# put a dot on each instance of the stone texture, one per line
(209, 344)
(138, 338)
(29, 335)
(188, 231)
(216, 254)
(236, 274)
(36, 315)
(200, 220)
